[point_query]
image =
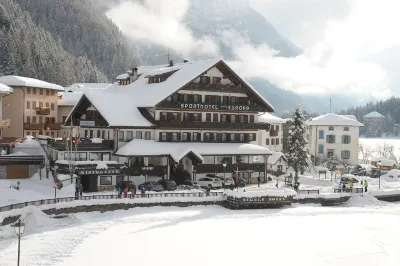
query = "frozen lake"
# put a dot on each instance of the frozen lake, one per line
(362, 233)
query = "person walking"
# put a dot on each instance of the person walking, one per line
(365, 186)
(343, 187)
(258, 180)
(351, 186)
(80, 189)
(126, 191)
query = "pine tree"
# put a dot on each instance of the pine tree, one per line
(297, 155)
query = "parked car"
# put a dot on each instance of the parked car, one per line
(188, 182)
(168, 184)
(358, 170)
(347, 178)
(151, 186)
(374, 173)
(228, 182)
(209, 182)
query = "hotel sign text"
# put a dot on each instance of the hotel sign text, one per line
(98, 172)
(215, 107)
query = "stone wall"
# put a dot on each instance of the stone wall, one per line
(3, 172)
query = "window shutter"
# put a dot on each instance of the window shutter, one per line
(334, 138)
(342, 140)
(349, 139)
(342, 154)
(349, 154)
(327, 139)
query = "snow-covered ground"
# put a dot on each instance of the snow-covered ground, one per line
(373, 143)
(304, 235)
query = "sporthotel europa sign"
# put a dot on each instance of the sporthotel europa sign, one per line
(215, 107)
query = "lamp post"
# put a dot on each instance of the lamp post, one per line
(224, 165)
(379, 163)
(19, 230)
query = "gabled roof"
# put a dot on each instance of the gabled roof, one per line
(117, 109)
(17, 81)
(71, 98)
(149, 95)
(269, 118)
(273, 159)
(374, 114)
(331, 119)
(4, 89)
(350, 116)
(177, 150)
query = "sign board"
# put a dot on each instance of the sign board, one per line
(5, 123)
(215, 107)
(85, 123)
(147, 168)
(98, 172)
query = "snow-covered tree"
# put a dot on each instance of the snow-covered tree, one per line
(297, 155)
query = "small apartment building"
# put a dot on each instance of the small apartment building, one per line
(334, 136)
(32, 108)
(272, 138)
(4, 91)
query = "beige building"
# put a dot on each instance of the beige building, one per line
(32, 108)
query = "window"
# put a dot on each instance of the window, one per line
(79, 156)
(53, 92)
(196, 136)
(250, 137)
(52, 106)
(40, 104)
(40, 119)
(34, 90)
(331, 128)
(40, 91)
(331, 153)
(346, 129)
(47, 93)
(28, 119)
(277, 142)
(185, 117)
(175, 116)
(223, 137)
(33, 119)
(105, 180)
(174, 136)
(267, 142)
(147, 135)
(321, 148)
(33, 104)
(207, 137)
(47, 104)
(196, 117)
(103, 134)
(330, 138)
(272, 141)
(129, 135)
(233, 117)
(106, 156)
(95, 156)
(214, 136)
(28, 90)
(346, 139)
(28, 105)
(277, 128)
(196, 98)
(208, 117)
(215, 117)
(163, 136)
(184, 136)
(321, 134)
(163, 116)
(232, 137)
(345, 154)
(28, 133)
(223, 118)
(138, 134)
(241, 137)
(121, 135)
(216, 80)
(251, 118)
(52, 134)
(90, 133)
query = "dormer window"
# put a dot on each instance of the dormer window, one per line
(205, 80)
(155, 80)
(124, 82)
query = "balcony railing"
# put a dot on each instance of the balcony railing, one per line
(34, 126)
(89, 123)
(52, 126)
(214, 88)
(213, 107)
(84, 145)
(273, 133)
(211, 125)
(42, 110)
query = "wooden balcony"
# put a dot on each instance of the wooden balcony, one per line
(90, 123)
(84, 145)
(185, 106)
(214, 88)
(34, 126)
(212, 125)
(157, 170)
(42, 110)
(53, 126)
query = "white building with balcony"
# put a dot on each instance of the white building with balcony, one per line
(272, 138)
(333, 135)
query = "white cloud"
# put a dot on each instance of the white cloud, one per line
(160, 22)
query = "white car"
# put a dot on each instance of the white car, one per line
(228, 182)
(209, 182)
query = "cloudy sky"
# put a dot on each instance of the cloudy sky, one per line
(351, 47)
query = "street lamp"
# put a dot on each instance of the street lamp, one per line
(379, 163)
(19, 230)
(224, 165)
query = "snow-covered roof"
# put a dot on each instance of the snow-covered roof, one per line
(373, 114)
(118, 110)
(269, 118)
(4, 89)
(17, 81)
(140, 147)
(273, 159)
(350, 116)
(148, 95)
(384, 161)
(86, 87)
(69, 98)
(122, 76)
(331, 119)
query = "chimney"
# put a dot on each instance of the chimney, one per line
(171, 63)
(133, 75)
(185, 60)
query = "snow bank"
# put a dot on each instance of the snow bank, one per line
(364, 200)
(18, 153)
(322, 196)
(392, 176)
(385, 192)
(254, 192)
